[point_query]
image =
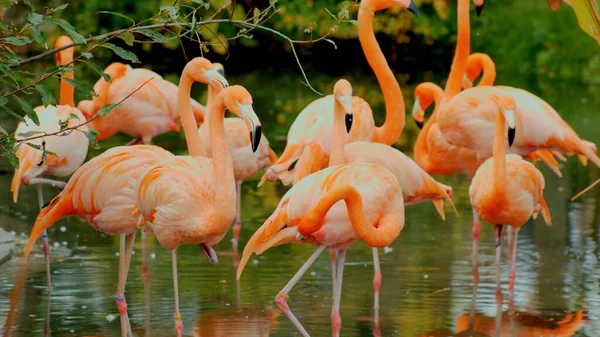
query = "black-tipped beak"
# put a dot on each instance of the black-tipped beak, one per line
(349, 120)
(210, 253)
(255, 136)
(413, 8)
(221, 71)
(419, 124)
(479, 9)
(511, 136)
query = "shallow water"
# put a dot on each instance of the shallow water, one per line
(428, 283)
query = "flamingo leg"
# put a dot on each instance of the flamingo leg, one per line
(333, 258)
(474, 295)
(177, 314)
(136, 140)
(509, 231)
(336, 320)
(238, 218)
(146, 279)
(513, 258)
(54, 183)
(376, 281)
(476, 230)
(498, 237)
(45, 240)
(124, 260)
(281, 298)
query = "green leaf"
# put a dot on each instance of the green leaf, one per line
(59, 8)
(74, 116)
(58, 70)
(47, 97)
(127, 37)
(38, 37)
(172, 10)
(330, 14)
(14, 114)
(117, 14)
(91, 136)
(106, 109)
(18, 41)
(256, 15)
(29, 134)
(28, 3)
(87, 55)
(154, 35)
(81, 86)
(98, 70)
(67, 28)
(35, 146)
(8, 3)
(354, 22)
(13, 160)
(35, 18)
(3, 101)
(122, 53)
(28, 110)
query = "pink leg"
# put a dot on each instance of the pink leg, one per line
(376, 281)
(281, 298)
(177, 314)
(513, 262)
(124, 260)
(336, 320)
(333, 258)
(238, 219)
(45, 240)
(146, 279)
(498, 238)
(510, 242)
(137, 140)
(476, 231)
(54, 183)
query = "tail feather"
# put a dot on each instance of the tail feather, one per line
(24, 166)
(550, 161)
(59, 207)
(546, 212)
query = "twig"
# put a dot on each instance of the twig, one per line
(76, 127)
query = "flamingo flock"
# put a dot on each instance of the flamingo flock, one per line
(348, 182)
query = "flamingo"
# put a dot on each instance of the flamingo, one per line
(516, 190)
(191, 199)
(149, 112)
(103, 192)
(309, 138)
(246, 163)
(68, 149)
(372, 196)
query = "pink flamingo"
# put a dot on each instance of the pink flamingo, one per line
(103, 189)
(246, 163)
(69, 148)
(309, 138)
(191, 199)
(149, 112)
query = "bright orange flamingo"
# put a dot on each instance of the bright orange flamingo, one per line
(191, 199)
(308, 141)
(516, 190)
(69, 149)
(149, 112)
(246, 163)
(417, 186)
(103, 192)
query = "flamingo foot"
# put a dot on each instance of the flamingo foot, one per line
(336, 324)
(272, 176)
(281, 301)
(178, 324)
(121, 305)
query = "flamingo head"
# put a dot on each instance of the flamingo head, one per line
(423, 99)
(203, 71)
(342, 91)
(239, 101)
(478, 6)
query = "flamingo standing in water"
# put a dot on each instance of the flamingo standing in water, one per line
(149, 112)
(311, 211)
(516, 190)
(103, 192)
(191, 199)
(69, 149)
(246, 163)
(309, 140)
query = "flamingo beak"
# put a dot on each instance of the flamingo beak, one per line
(210, 253)
(253, 124)
(219, 68)
(509, 116)
(418, 114)
(346, 102)
(216, 79)
(479, 7)
(412, 7)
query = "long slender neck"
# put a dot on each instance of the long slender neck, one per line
(421, 150)
(489, 72)
(67, 92)
(190, 128)
(499, 155)
(338, 143)
(395, 110)
(461, 56)
(212, 93)
(225, 193)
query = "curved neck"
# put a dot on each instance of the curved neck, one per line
(212, 94)
(114, 71)
(190, 128)
(380, 236)
(421, 150)
(225, 193)
(499, 155)
(489, 72)
(395, 110)
(461, 56)
(338, 143)
(67, 92)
